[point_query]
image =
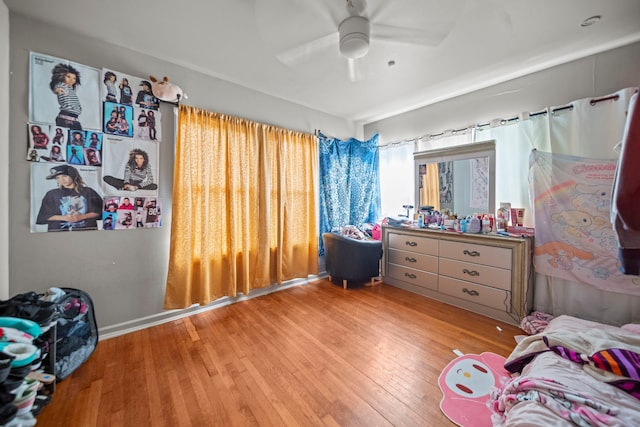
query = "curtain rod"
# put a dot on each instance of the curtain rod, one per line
(497, 122)
(606, 98)
(317, 133)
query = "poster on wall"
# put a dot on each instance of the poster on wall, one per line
(129, 167)
(574, 236)
(63, 93)
(46, 144)
(64, 197)
(479, 183)
(91, 134)
(129, 213)
(445, 178)
(118, 119)
(131, 99)
(84, 148)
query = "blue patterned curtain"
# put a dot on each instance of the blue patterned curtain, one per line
(349, 183)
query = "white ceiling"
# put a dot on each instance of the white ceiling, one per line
(468, 44)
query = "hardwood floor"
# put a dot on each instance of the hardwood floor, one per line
(314, 355)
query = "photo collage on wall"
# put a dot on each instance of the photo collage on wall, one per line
(93, 144)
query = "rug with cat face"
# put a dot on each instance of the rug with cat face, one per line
(466, 384)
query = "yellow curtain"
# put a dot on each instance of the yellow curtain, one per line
(244, 207)
(430, 191)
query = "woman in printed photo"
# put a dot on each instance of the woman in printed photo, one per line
(151, 123)
(65, 80)
(92, 157)
(75, 155)
(39, 138)
(93, 141)
(145, 97)
(55, 155)
(143, 130)
(126, 93)
(71, 206)
(58, 138)
(110, 82)
(77, 138)
(137, 173)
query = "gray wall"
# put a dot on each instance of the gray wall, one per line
(592, 76)
(124, 272)
(4, 151)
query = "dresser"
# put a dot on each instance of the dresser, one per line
(487, 274)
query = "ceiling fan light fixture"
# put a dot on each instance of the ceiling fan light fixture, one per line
(354, 36)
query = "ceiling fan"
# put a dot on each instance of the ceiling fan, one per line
(359, 27)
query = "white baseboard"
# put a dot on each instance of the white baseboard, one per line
(171, 315)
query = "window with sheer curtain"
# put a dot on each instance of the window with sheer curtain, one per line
(583, 128)
(244, 207)
(397, 175)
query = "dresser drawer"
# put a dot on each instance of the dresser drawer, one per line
(480, 254)
(477, 273)
(421, 245)
(427, 263)
(490, 297)
(415, 277)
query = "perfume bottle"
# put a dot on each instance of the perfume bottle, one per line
(502, 216)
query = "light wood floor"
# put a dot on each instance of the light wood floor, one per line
(314, 355)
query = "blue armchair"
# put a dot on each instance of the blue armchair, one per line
(351, 260)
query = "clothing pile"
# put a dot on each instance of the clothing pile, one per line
(23, 321)
(77, 330)
(43, 339)
(354, 232)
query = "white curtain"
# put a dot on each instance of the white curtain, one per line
(397, 170)
(396, 178)
(587, 130)
(514, 142)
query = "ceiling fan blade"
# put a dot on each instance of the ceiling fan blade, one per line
(356, 7)
(432, 36)
(269, 12)
(357, 69)
(374, 15)
(304, 51)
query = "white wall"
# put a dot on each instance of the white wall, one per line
(4, 152)
(124, 272)
(595, 75)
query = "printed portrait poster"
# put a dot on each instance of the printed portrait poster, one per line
(135, 92)
(129, 167)
(65, 197)
(147, 124)
(92, 149)
(479, 183)
(148, 212)
(118, 119)
(128, 213)
(46, 143)
(64, 93)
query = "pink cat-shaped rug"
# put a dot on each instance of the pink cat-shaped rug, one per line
(466, 383)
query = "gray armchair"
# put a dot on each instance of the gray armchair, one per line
(351, 260)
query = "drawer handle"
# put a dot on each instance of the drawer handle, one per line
(410, 275)
(471, 253)
(410, 259)
(471, 272)
(472, 293)
(408, 243)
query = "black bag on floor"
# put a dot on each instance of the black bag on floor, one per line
(77, 330)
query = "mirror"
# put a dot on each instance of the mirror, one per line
(459, 179)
